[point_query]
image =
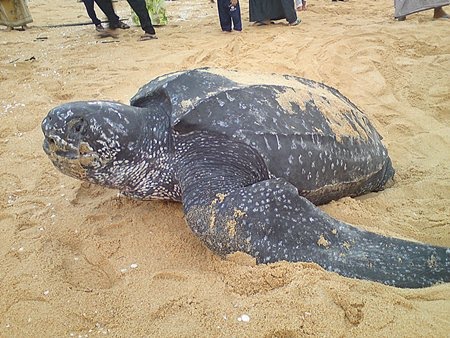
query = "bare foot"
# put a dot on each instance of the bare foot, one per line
(302, 7)
(439, 13)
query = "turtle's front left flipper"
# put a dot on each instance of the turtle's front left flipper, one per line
(232, 205)
(271, 222)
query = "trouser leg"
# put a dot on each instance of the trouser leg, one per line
(224, 14)
(140, 8)
(107, 7)
(289, 10)
(89, 4)
(236, 17)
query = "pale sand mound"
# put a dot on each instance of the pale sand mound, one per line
(66, 248)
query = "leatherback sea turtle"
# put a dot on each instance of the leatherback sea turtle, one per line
(247, 156)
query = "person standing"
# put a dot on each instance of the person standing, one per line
(139, 7)
(14, 13)
(407, 7)
(229, 15)
(262, 11)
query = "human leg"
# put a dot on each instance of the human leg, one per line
(236, 18)
(107, 7)
(258, 12)
(140, 8)
(439, 13)
(89, 4)
(289, 11)
(224, 15)
(117, 22)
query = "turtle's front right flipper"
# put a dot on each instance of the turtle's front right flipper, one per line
(271, 222)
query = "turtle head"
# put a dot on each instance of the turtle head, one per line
(100, 141)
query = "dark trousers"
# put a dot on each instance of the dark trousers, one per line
(289, 10)
(107, 7)
(89, 4)
(227, 17)
(138, 6)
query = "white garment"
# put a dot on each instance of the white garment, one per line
(406, 7)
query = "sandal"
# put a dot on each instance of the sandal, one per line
(295, 23)
(148, 36)
(262, 23)
(123, 25)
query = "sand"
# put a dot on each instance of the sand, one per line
(76, 260)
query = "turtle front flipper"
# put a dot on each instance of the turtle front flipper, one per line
(271, 222)
(231, 210)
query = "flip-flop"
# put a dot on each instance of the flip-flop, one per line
(123, 25)
(147, 37)
(295, 23)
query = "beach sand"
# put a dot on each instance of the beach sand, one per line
(76, 260)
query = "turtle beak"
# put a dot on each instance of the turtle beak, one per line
(64, 156)
(57, 140)
(47, 146)
(67, 161)
(51, 147)
(54, 146)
